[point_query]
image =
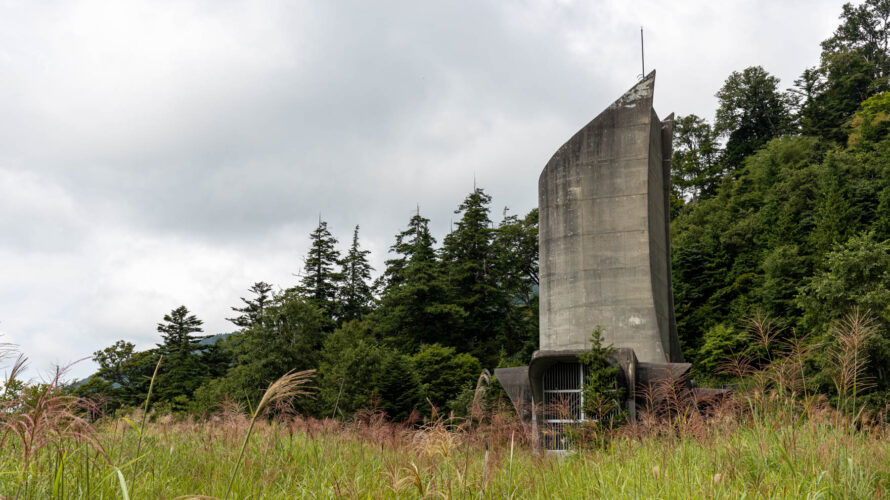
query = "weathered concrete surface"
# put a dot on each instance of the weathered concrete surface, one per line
(515, 382)
(604, 237)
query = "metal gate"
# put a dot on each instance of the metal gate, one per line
(563, 403)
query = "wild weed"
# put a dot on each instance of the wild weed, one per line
(290, 385)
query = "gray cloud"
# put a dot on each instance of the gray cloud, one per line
(159, 153)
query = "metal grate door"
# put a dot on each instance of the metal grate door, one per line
(563, 404)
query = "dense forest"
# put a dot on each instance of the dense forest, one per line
(417, 337)
(780, 215)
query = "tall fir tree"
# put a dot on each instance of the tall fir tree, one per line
(321, 279)
(414, 245)
(415, 307)
(177, 330)
(181, 371)
(355, 294)
(253, 307)
(469, 265)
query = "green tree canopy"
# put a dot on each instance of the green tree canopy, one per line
(351, 358)
(695, 165)
(751, 111)
(176, 330)
(515, 247)
(445, 373)
(181, 372)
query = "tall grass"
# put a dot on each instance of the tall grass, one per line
(772, 437)
(723, 457)
(290, 385)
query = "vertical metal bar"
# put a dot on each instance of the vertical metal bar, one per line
(581, 393)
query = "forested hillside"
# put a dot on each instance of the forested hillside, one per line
(416, 338)
(780, 214)
(789, 218)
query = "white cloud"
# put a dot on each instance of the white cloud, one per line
(154, 154)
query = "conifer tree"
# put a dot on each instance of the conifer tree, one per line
(355, 296)
(469, 262)
(176, 331)
(416, 307)
(515, 248)
(253, 308)
(320, 280)
(413, 246)
(181, 371)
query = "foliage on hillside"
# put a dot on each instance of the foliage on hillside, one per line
(797, 228)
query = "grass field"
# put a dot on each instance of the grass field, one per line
(751, 447)
(772, 437)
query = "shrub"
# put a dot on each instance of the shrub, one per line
(603, 395)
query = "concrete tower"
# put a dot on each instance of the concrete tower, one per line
(604, 207)
(604, 237)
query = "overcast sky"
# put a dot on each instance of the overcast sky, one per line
(158, 153)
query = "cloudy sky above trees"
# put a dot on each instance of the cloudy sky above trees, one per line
(154, 154)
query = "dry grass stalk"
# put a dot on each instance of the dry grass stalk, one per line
(47, 417)
(852, 334)
(289, 386)
(761, 327)
(476, 407)
(738, 366)
(797, 350)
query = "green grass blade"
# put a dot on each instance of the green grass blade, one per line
(123, 484)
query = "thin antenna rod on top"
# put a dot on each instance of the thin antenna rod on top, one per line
(642, 53)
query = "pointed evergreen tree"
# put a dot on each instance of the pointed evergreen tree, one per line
(415, 307)
(413, 246)
(469, 262)
(320, 280)
(176, 331)
(355, 296)
(253, 308)
(181, 372)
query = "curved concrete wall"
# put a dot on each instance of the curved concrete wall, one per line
(604, 233)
